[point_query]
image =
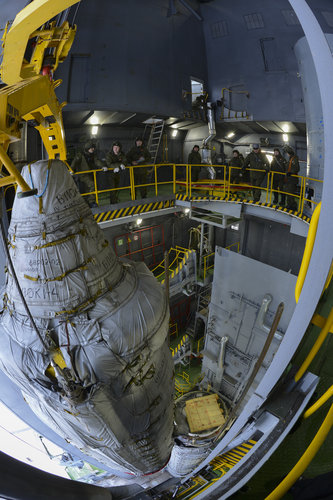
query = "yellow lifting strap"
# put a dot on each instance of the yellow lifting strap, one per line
(58, 358)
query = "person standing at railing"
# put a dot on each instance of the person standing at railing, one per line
(258, 163)
(279, 167)
(137, 156)
(194, 158)
(83, 161)
(291, 181)
(114, 171)
(235, 168)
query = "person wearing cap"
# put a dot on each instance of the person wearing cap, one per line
(83, 161)
(259, 166)
(139, 155)
(279, 167)
(291, 181)
(194, 158)
(235, 166)
(113, 171)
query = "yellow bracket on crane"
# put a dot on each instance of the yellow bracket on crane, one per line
(29, 95)
(27, 25)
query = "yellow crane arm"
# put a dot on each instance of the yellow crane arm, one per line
(14, 68)
(33, 100)
(29, 95)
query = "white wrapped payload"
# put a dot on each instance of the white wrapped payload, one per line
(98, 369)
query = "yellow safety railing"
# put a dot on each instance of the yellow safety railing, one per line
(177, 179)
(319, 403)
(200, 344)
(307, 251)
(325, 427)
(180, 389)
(242, 185)
(306, 180)
(208, 265)
(233, 245)
(316, 346)
(208, 260)
(177, 255)
(173, 329)
(305, 460)
(275, 176)
(180, 180)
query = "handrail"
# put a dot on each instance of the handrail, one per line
(173, 326)
(206, 257)
(225, 89)
(221, 187)
(319, 403)
(316, 346)
(178, 251)
(232, 245)
(305, 459)
(307, 252)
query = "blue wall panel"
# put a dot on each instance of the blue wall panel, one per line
(250, 47)
(140, 59)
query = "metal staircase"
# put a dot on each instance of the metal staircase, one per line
(155, 138)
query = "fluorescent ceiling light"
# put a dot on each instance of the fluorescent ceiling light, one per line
(94, 120)
(231, 134)
(285, 137)
(174, 132)
(187, 210)
(285, 127)
(94, 130)
(138, 222)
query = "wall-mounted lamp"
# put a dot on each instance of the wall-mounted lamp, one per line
(285, 127)
(186, 211)
(138, 222)
(174, 133)
(285, 137)
(94, 130)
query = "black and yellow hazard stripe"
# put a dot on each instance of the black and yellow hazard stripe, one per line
(184, 339)
(232, 457)
(133, 210)
(235, 199)
(220, 466)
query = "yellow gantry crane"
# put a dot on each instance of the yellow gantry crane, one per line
(28, 93)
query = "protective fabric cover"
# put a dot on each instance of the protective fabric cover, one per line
(109, 318)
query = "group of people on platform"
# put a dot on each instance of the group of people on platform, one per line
(284, 179)
(284, 172)
(112, 172)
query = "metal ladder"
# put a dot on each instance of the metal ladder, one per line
(155, 138)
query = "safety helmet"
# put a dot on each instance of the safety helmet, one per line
(89, 144)
(289, 150)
